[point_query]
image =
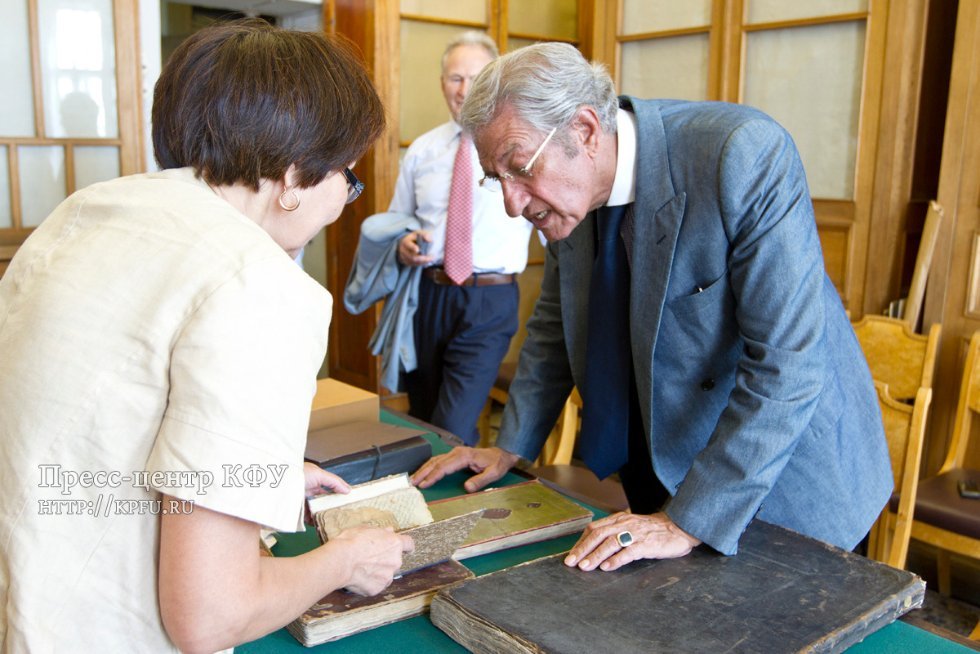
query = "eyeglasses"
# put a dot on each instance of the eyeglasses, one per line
(492, 182)
(354, 186)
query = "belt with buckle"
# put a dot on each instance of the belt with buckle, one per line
(438, 275)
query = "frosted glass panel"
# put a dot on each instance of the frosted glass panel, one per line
(422, 104)
(765, 11)
(42, 181)
(78, 68)
(515, 43)
(675, 67)
(16, 85)
(6, 217)
(468, 10)
(551, 18)
(641, 16)
(809, 79)
(95, 164)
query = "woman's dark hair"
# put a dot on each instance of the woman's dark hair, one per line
(241, 101)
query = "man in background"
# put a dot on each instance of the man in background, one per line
(471, 252)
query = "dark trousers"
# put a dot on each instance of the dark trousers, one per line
(643, 489)
(461, 335)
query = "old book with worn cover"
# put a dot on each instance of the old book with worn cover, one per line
(364, 450)
(515, 515)
(782, 592)
(341, 613)
(394, 502)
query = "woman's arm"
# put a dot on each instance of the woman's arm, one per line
(216, 591)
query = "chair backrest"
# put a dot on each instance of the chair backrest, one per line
(905, 427)
(967, 405)
(896, 355)
(923, 262)
(560, 445)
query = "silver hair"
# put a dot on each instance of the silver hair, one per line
(471, 37)
(546, 84)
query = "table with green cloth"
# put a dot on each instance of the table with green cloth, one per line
(418, 634)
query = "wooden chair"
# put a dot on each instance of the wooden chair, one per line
(558, 448)
(942, 518)
(923, 262)
(498, 394)
(897, 356)
(560, 445)
(555, 467)
(905, 427)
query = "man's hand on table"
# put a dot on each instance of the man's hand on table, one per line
(490, 464)
(653, 537)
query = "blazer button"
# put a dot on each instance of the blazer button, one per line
(707, 384)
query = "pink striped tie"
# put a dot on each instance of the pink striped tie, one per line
(458, 258)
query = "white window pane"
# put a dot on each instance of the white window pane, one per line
(809, 79)
(422, 103)
(6, 217)
(78, 68)
(42, 181)
(766, 11)
(640, 16)
(675, 67)
(16, 84)
(95, 164)
(468, 10)
(551, 18)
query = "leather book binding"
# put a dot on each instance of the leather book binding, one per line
(361, 451)
(782, 592)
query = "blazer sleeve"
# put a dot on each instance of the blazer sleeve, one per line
(776, 273)
(544, 377)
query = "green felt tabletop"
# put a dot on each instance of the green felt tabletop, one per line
(418, 634)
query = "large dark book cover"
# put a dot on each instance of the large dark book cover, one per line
(341, 613)
(362, 451)
(782, 592)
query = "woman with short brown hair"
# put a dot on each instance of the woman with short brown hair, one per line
(158, 353)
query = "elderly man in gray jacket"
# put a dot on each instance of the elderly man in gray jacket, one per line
(685, 295)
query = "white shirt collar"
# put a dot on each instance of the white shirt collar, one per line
(624, 184)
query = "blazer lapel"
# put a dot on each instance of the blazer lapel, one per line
(657, 215)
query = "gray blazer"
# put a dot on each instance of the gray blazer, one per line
(375, 276)
(755, 395)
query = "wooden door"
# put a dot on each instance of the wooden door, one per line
(953, 293)
(816, 67)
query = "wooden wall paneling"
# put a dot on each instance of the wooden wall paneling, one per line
(132, 152)
(731, 55)
(598, 21)
(835, 227)
(899, 109)
(876, 32)
(373, 27)
(32, 21)
(498, 14)
(949, 289)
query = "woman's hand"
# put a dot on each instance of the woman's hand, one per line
(318, 479)
(649, 536)
(374, 556)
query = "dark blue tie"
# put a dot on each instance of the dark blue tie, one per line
(608, 364)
